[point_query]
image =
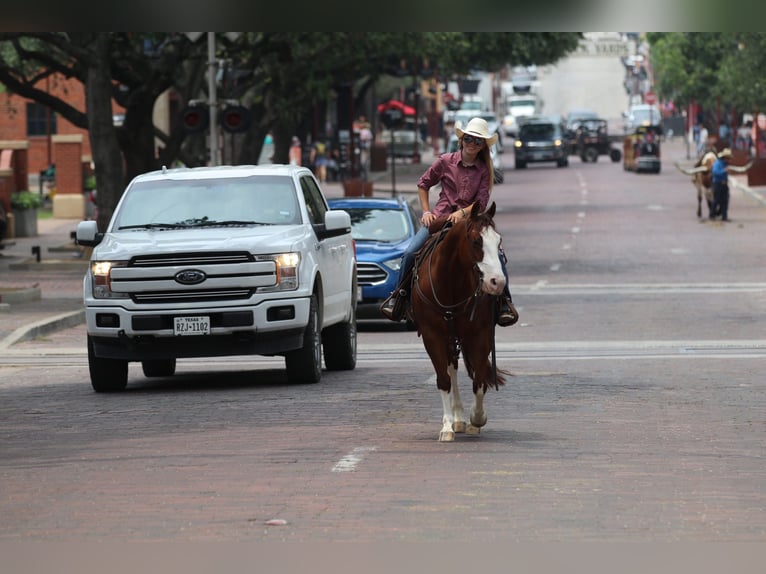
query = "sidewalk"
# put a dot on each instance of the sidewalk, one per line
(38, 298)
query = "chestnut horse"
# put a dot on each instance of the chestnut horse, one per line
(457, 278)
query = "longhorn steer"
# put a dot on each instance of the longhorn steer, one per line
(702, 178)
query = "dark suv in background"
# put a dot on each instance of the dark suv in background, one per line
(541, 139)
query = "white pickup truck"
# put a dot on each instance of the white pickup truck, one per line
(220, 261)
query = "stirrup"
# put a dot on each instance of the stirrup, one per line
(507, 314)
(394, 307)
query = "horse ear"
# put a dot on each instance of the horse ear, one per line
(491, 210)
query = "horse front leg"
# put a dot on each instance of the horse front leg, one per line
(478, 416)
(453, 418)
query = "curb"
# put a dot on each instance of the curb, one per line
(21, 295)
(44, 327)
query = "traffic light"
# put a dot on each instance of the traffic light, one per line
(195, 119)
(235, 119)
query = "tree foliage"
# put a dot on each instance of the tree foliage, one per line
(282, 77)
(710, 68)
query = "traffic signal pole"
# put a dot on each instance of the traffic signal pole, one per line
(213, 103)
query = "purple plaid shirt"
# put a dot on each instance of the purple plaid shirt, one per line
(461, 185)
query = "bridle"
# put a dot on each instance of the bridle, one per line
(460, 307)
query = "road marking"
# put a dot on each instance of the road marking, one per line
(546, 288)
(349, 462)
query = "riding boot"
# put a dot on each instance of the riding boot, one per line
(506, 312)
(395, 306)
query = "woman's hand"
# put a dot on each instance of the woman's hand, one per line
(457, 215)
(427, 218)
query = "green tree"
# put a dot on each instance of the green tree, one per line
(282, 77)
(714, 69)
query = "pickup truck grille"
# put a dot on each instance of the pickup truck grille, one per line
(190, 259)
(193, 296)
(223, 276)
(370, 274)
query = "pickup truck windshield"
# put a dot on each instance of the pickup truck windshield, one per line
(173, 203)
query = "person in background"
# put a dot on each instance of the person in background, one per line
(466, 178)
(319, 160)
(295, 151)
(721, 185)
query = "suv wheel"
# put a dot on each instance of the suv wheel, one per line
(304, 365)
(106, 375)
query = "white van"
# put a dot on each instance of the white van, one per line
(642, 115)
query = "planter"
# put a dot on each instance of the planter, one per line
(357, 188)
(25, 222)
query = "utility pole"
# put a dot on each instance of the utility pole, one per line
(213, 103)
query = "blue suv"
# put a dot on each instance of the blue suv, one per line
(382, 229)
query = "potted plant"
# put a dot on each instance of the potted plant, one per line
(24, 205)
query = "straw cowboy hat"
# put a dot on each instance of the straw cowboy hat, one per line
(478, 127)
(725, 152)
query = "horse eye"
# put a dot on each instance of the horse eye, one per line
(478, 242)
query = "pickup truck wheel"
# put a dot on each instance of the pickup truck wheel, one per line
(591, 154)
(339, 342)
(106, 375)
(304, 365)
(159, 367)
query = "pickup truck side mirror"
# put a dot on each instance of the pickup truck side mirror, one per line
(87, 234)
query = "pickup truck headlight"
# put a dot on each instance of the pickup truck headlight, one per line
(287, 271)
(101, 272)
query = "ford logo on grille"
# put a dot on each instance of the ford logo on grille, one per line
(190, 276)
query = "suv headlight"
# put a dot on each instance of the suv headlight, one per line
(287, 267)
(101, 274)
(393, 264)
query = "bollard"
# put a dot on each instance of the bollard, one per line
(36, 252)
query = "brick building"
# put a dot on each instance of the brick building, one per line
(40, 137)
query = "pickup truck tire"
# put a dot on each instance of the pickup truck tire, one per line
(159, 367)
(304, 365)
(339, 342)
(106, 375)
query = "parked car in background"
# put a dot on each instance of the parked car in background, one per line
(494, 154)
(404, 140)
(382, 229)
(541, 139)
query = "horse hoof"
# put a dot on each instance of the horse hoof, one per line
(472, 430)
(446, 436)
(479, 422)
(458, 426)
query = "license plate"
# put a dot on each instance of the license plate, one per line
(359, 292)
(191, 325)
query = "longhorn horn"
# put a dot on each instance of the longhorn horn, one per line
(741, 168)
(692, 171)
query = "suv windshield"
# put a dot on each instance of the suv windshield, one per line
(173, 203)
(538, 131)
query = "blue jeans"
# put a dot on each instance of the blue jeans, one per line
(408, 258)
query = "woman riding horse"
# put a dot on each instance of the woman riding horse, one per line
(466, 177)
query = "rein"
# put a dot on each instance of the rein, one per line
(446, 309)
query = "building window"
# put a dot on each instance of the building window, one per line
(37, 117)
